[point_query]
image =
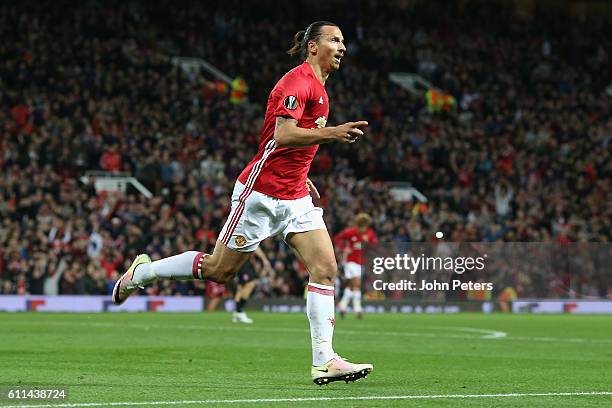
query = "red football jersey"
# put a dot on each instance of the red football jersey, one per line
(282, 172)
(351, 240)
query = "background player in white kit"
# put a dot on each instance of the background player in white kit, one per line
(273, 196)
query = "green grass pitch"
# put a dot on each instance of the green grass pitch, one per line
(204, 359)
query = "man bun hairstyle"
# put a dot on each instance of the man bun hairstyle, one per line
(303, 37)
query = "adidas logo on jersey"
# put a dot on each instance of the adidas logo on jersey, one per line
(321, 100)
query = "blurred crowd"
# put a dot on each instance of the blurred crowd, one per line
(525, 156)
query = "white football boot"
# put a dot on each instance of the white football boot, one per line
(126, 285)
(241, 318)
(338, 369)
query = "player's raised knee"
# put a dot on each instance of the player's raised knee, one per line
(325, 271)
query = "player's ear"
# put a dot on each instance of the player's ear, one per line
(312, 47)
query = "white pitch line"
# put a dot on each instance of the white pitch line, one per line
(486, 334)
(314, 399)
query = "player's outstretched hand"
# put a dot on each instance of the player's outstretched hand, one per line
(349, 132)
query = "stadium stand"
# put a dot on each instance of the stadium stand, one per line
(524, 156)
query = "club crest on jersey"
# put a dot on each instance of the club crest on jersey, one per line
(240, 241)
(291, 102)
(321, 121)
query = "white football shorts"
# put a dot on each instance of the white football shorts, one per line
(351, 270)
(255, 216)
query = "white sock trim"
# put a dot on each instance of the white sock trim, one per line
(319, 286)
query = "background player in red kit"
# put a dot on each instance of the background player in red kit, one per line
(351, 241)
(274, 196)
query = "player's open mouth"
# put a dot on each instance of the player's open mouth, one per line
(337, 58)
